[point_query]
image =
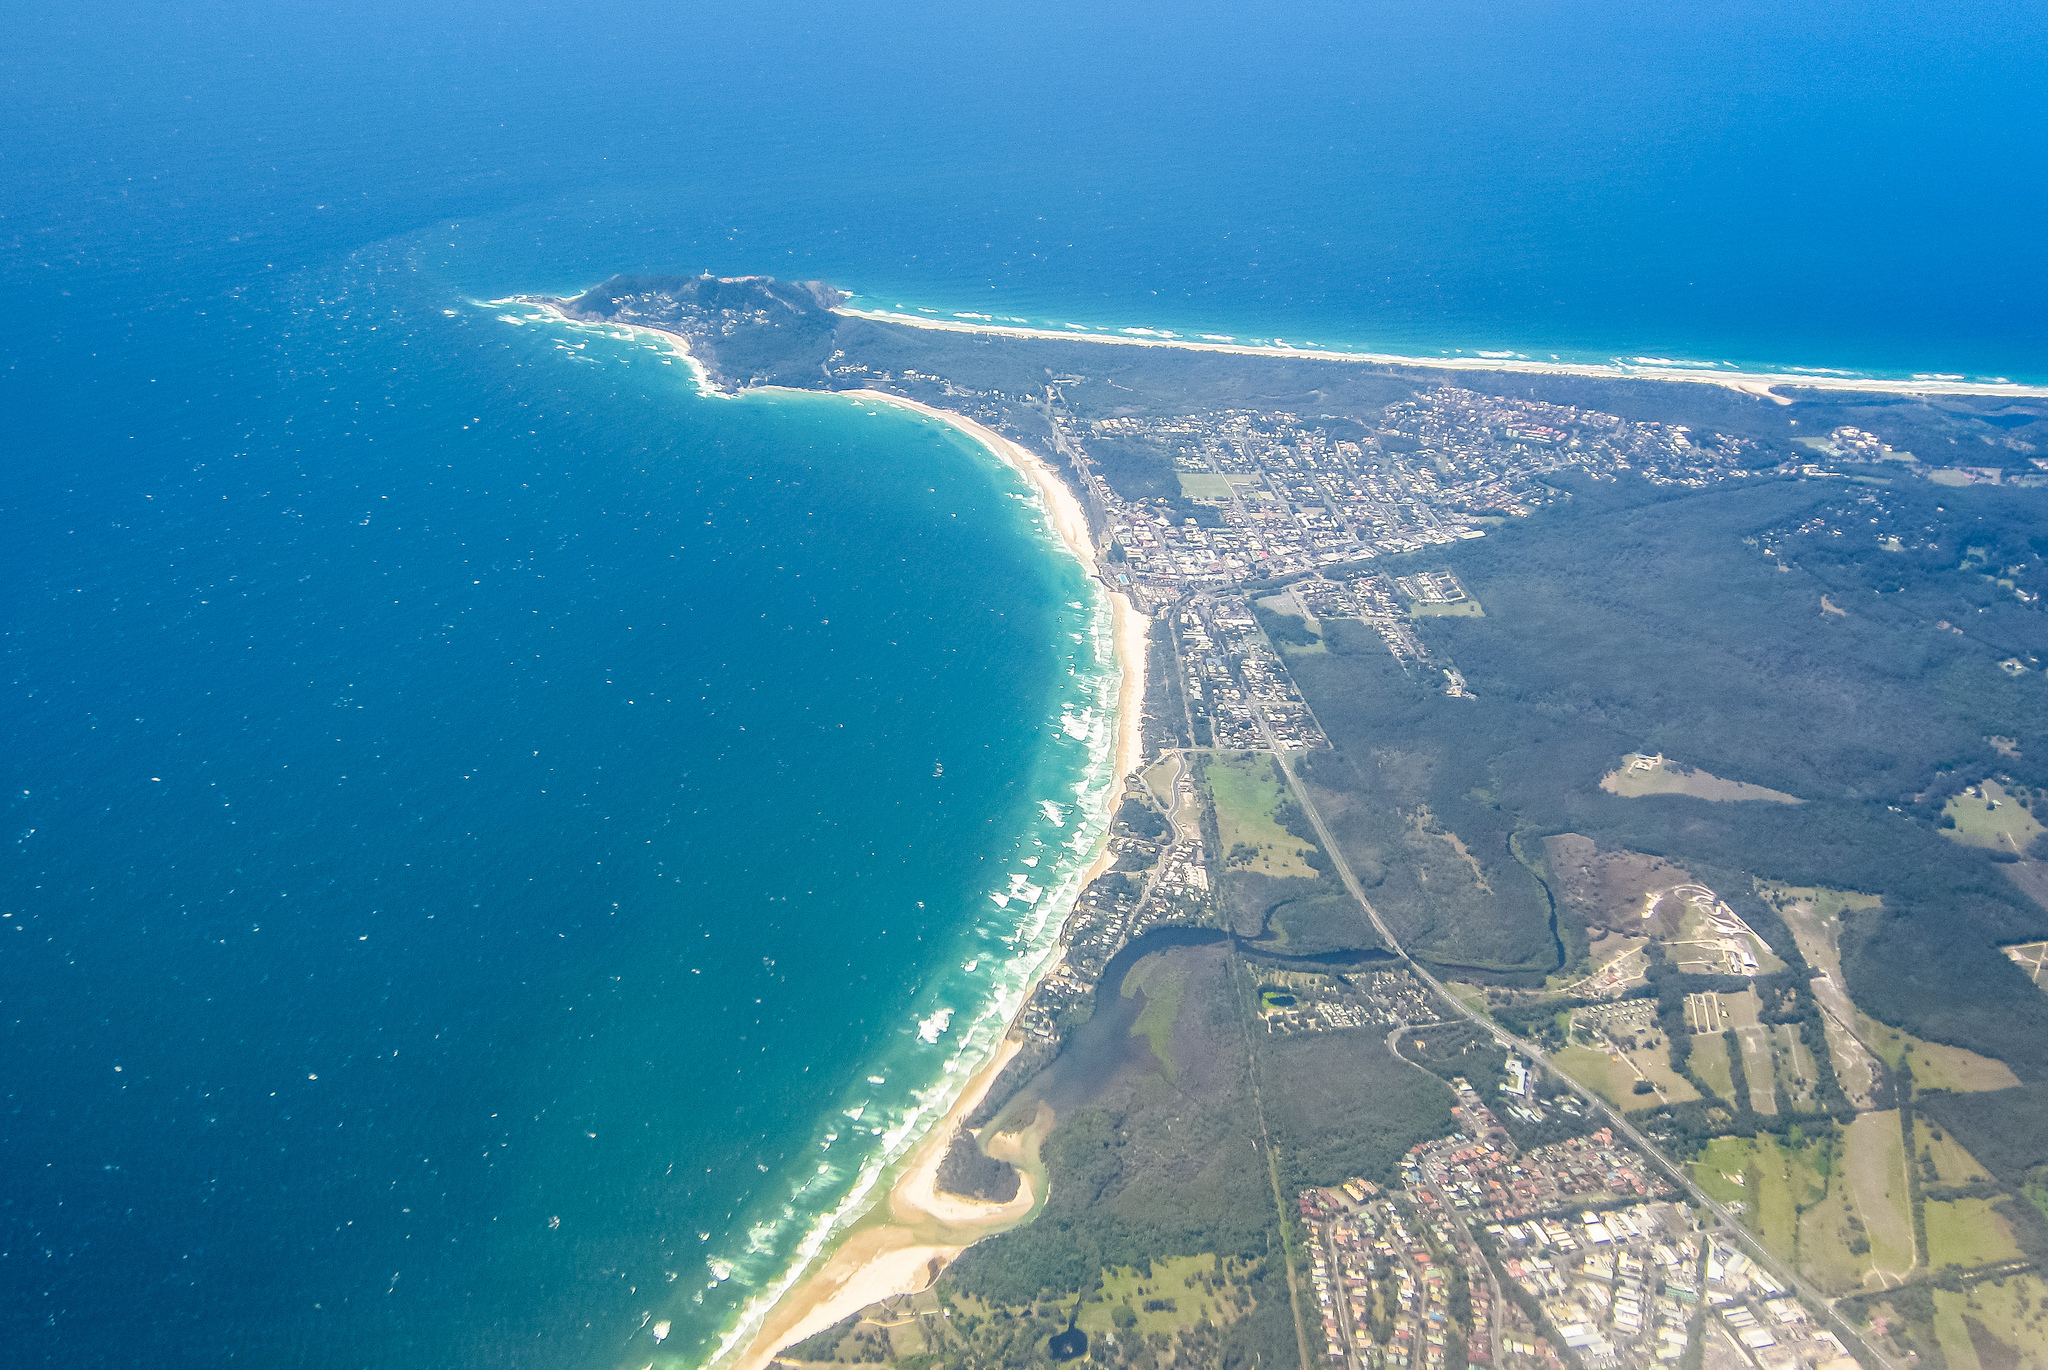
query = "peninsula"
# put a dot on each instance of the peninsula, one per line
(1391, 1031)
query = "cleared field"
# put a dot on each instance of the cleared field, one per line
(1168, 1283)
(1936, 1066)
(1771, 1182)
(1670, 777)
(1793, 1064)
(1814, 914)
(1994, 1326)
(1710, 1063)
(1615, 1079)
(1599, 1072)
(1655, 1065)
(1247, 789)
(1472, 996)
(1463, 608)
(1742, 1010)
(1722, 1169)
(1784, 1179)
(1966, 1233)
(1994, 820)
(1199, 485)
(1951, 1161)
(1958, 1348)
(1824, 1237)
(1159, 778)
(1757, 1067)
(1596, 1066)
(1874, 1169)
(2031, 957)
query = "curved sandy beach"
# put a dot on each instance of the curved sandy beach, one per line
(900, 1248)
(924, 1228)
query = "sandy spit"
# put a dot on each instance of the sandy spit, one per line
(1759, 383)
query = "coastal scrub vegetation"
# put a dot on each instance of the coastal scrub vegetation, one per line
(1690, 623)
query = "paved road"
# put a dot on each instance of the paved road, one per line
(1729, 1220)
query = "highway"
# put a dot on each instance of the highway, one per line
(1730, 1221)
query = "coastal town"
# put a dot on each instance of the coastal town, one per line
(1287, 519)
(1574, 1253)
(1625, 1206)
(1293, 495)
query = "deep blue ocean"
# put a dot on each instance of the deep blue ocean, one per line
(481, 816)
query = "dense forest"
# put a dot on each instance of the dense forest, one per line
(1143, 1165)
(1870, 649)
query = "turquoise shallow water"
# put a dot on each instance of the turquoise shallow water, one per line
(470, 801)
(486, 816)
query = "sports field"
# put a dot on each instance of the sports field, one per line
(1247, 790)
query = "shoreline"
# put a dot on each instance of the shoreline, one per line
(923, 1231)
(679, 345)
(1758, 383)
(901, 1245)
(1761, 384)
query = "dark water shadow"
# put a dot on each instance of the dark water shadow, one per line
(1104, 1045)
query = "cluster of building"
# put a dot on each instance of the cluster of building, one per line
(1234, 682)
(1299, 500)
(1621, 1018)
(1555, 1273)
(1297, 496)
(1383, 1285)
(1523, 1100)
(1569, 1253)
(1391, 998)
(1482, 1175)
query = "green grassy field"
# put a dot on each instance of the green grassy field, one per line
(1784, 1180)
(1247, 789)
(1721, 1166)
(1463, 608)
(1710, 1063)
(1874, 1168)
(1775, 1181)
(1966, 1232)
(2009, 1317)
(1938, 1066)
(1160, 981)
(2008, 827)
(1935, 1064)
(1596, 1072)
(1951, 1161)
(1824, 1237)
(1168, 1282)
(1200, 485)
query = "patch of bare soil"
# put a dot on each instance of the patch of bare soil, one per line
(1611, 889)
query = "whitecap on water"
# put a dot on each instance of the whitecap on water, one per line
(930, 1028)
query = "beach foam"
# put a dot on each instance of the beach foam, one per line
(1631, 368)
(831, 1262)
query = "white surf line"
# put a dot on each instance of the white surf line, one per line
(1751, 382)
